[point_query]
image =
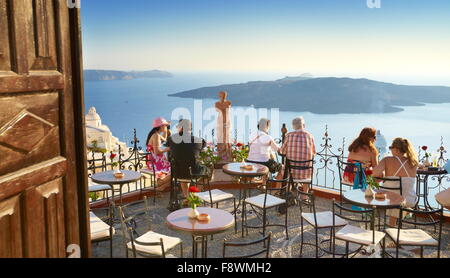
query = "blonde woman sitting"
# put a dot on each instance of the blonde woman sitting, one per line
(402, 164)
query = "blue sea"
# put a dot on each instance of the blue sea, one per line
(133, 104)
(128, 104)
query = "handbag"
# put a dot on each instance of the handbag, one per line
(274, 166)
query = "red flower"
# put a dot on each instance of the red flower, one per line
(239, 145)
(369, 172)
(193, 189)
(424, 148)
(112, 156)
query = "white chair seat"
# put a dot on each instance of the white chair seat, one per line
(99, 229)
(303, 181)
(152, 237)
(324, 219)
(258, 201)
(94, 187)
(414, 237)
(358, 235)
(217, 196)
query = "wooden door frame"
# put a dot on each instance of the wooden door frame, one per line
(80, 132)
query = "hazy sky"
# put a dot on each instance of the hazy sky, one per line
(404, 40)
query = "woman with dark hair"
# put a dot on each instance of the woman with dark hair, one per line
(363, 151)
(157, 159)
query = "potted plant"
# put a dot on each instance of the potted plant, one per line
(114, 165)
(427, 162)
(372, 185)
(240, 152)
(194, 201)
(209, 158)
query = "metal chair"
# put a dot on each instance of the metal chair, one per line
(344, 167)
(318, 220)
(212, 197)
(150, 244)
(417, 237)
(263, 203)
(151, 175)
(292, 166)
(94, 188)
(398, 189)
(355, 234)
(102, 231)
(265, 250)
(175, 188)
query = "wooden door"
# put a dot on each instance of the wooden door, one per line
(43, 206)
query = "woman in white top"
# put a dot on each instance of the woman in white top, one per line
(262, 144)
(402, 164)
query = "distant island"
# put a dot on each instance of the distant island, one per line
(103, 75)
(327, 95)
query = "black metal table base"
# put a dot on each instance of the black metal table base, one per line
(203, 242)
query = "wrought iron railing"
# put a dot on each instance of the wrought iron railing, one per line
(326, 173)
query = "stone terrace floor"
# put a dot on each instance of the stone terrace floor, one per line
(280, 247)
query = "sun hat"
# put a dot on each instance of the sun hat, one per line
(159, 122)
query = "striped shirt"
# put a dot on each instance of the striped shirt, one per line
(299, 146)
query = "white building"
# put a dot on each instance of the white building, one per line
(97, 132)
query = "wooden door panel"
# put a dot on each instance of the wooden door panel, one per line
(39, 111)
(41, 33)
(5, 34)
(29, 132)
(44, 234)
(10, 228)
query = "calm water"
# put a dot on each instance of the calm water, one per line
(125, 105)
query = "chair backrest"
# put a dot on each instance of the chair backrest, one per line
(128, 220)
(364, 216)
(129, 226)
(436, 217)
(265, 241)
(397, 181)
(346, 167)
(203, 180)
(293, 165)
(307, 200)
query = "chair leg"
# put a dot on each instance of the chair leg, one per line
(264, 221)
(181, 249)
(235, 217)
(316, 232)
(111, 246)
(347, 249)
(243, 223)
(333, 238)
(286, 222)
(396, 249)
(301, 244)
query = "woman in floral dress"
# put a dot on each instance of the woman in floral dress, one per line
(157, 153)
